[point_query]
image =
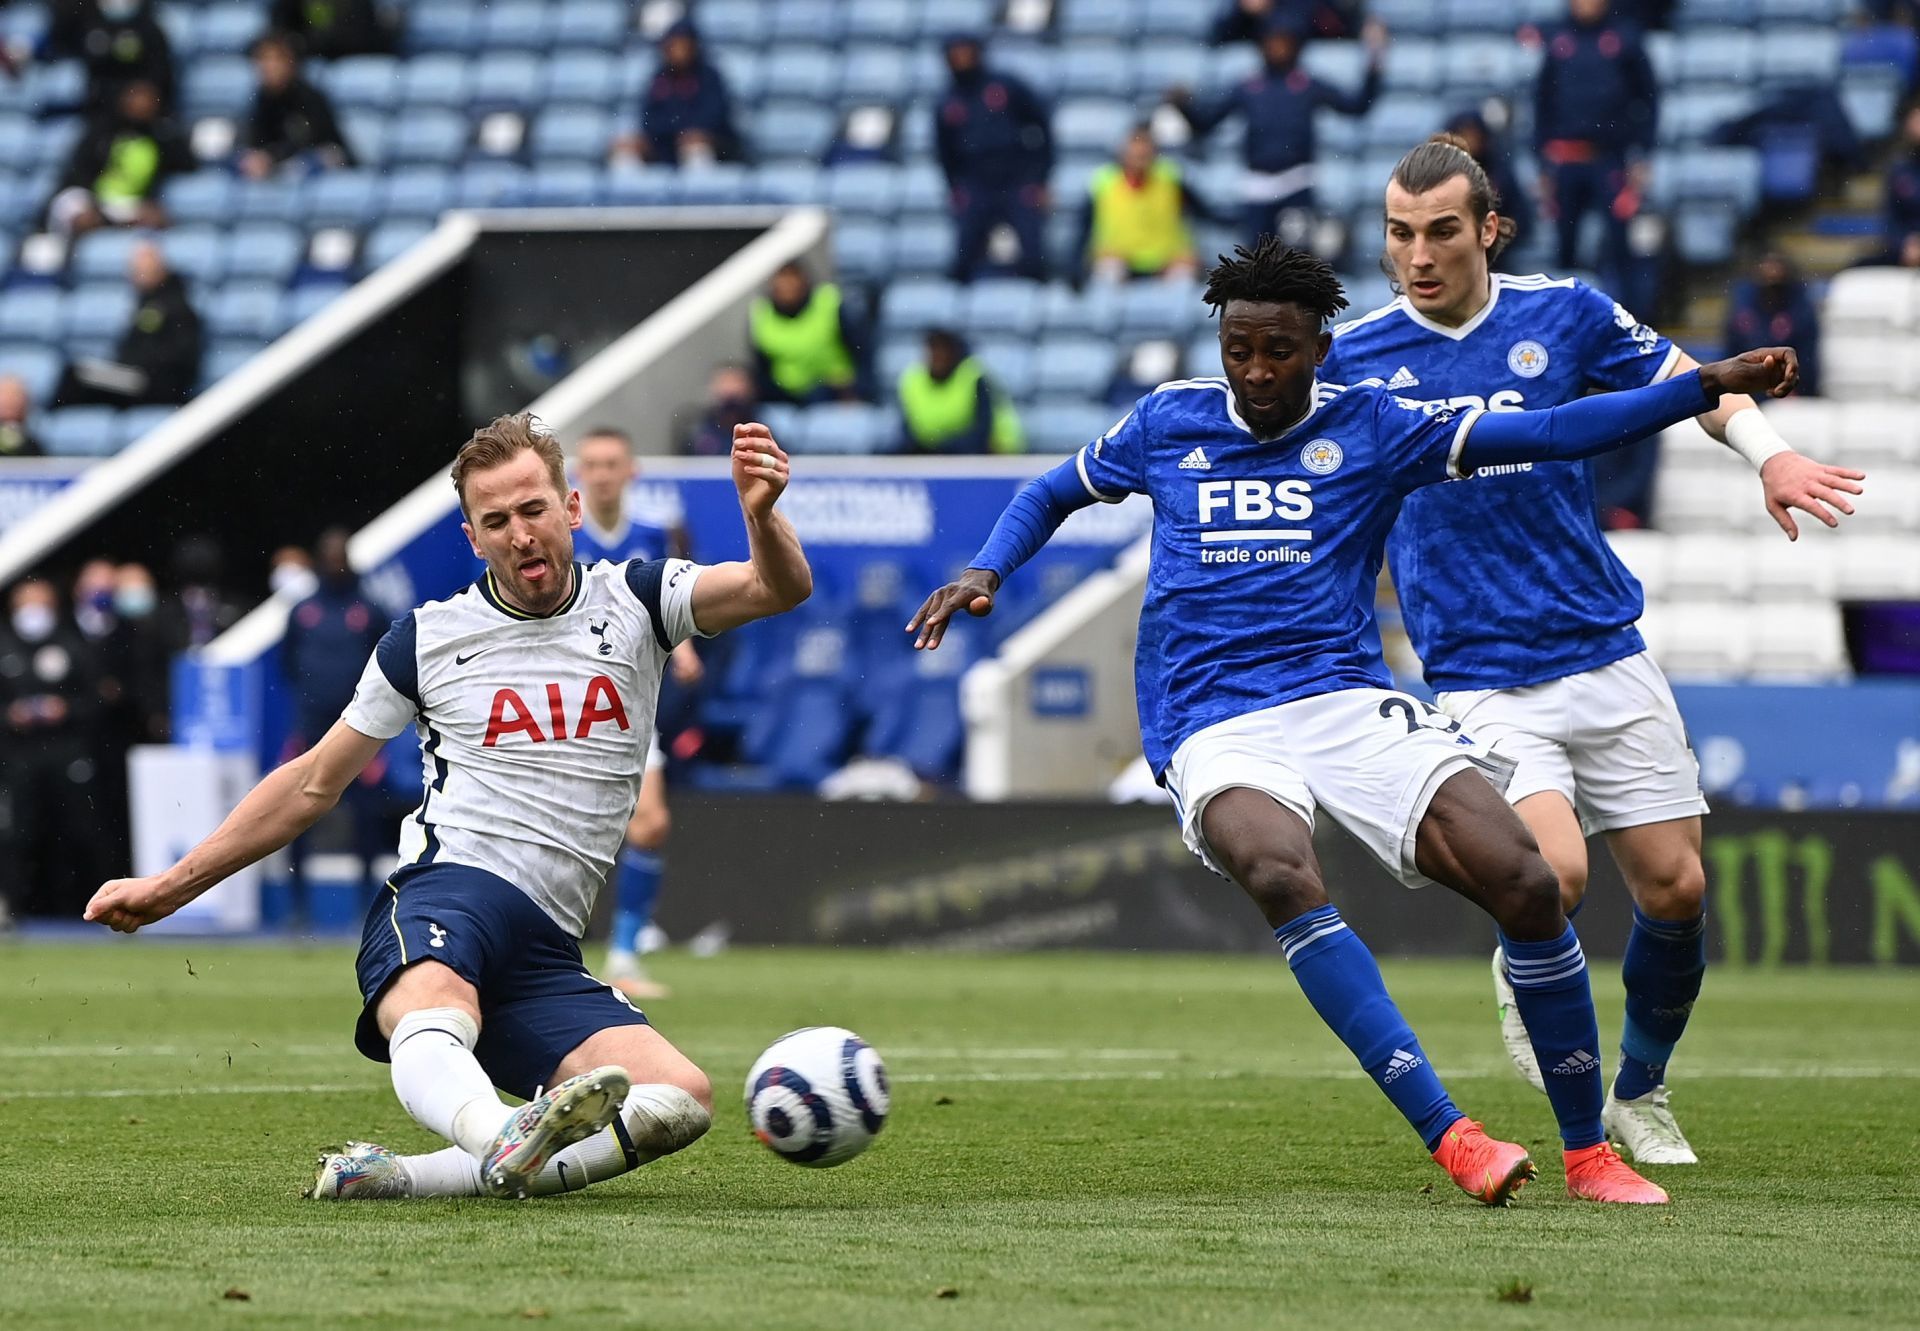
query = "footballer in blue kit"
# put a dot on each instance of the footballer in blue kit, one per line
(1261, 698)
(1524, 619)
(612, 529)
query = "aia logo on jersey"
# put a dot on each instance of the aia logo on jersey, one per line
(512, 716)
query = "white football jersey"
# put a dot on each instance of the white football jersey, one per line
(533, 731)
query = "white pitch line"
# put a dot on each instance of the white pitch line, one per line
(344, 1048)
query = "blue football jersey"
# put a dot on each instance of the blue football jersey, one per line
(1505, 579)
(635, 538)
(1265, 551)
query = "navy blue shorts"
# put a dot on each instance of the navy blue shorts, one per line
(537, 1001)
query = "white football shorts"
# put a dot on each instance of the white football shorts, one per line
(1611, 740)
(1373, 758)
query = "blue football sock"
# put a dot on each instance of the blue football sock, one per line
(636, 883)
(1340, 979)
(1665, 962)
(1556, 1002)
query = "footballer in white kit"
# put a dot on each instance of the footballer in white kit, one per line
(533, 693)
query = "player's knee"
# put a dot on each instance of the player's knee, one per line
(1573, 886)
(1678, 892)
(1526, 898)
(1282, 882)
(648, 828)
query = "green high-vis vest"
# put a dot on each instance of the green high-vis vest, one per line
(804, 352)
(936, 411)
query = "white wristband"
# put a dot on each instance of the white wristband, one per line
(1752, 436)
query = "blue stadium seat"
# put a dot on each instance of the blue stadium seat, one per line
(204, 196)
(565, 184)
(1339, 187)
(923, 244)
(1055, 426)
(1413, 65)
(923, 189)
(1004, 306)
(35, 365)
(1074, 367)
(217, 85)
(1704, 233)
(101, 256)
(1094, 69)
(416, 192)
(743, 70)
(389, 240)
(1036, 65)
(53, 144)
(504, 79)
(18, 138)
(1408, 17)
(364, 83)
(1687, 115)
(516, 25)
(223, 358)
(956, 16)
(488, 184)
(342, 198)
(265, 252)
(1094, 310)
(275, 200)
(805, 21)
(1717, 14)
(1803, 11)
(873, 74)
(1163, 64)
(81, 432)
(428, 136)
(909, 305)
(803, 73)
(366, 135)
(1092, 126)
(227, 29)
(1160, 19)
(306, 301)
(790, 182)
(881, 20)
(862, 249)
(136, 423)
(1481, 67)
(845, 428)
(782, 419)
(632, 185)
(1097, 18)
(572, 134)
(197, 252)
(589, 77)
(1159, 309)
(435, 80)
(733, 22)
(920, 723)
(1702, 58)
(1790, 57)
(247, 310)
(57, 83)
(870, 188)
(23, 23)
(1010, 364)
(893, 358)
(1464, 16)
(442, 25)
(791, 129)
(803, 741)
(1399, 122)
(601, 24)
(99, 311)
(636, 73)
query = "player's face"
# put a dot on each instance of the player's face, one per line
(523, 527)
(1438, 251)
(1270, 353)
(606, 470)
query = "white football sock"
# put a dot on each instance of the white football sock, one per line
(441, 1083)
(658, 1120)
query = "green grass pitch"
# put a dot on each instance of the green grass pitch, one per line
(1077, 1141)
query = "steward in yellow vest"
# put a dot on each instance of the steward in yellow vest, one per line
(805, 346)
(948, 404)
(1136, 222)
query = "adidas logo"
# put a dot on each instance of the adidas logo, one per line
(1403, 378)
(1574, 1064)
(1401, 1063)
(1196, 461)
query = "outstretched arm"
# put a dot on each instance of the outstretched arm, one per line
(289, 800)
(1607, 421)
(1034, 515)
(1788, 479)
(775, 577)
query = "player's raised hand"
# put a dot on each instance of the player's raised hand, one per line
(125, 904)
(973, 592)
(1794, 481)
(1774, 371)
(759, 468)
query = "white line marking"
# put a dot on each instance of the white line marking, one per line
(1256, 534)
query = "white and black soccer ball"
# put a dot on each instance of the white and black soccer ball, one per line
(818, 1096)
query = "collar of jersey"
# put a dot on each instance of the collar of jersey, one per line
(491, 595)
(1233, 413)
(1465, 330)
(608, 536)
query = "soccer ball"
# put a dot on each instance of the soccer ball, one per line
(818, 1096)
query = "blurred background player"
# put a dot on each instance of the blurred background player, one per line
(611, 530)
(1262, 697)
(1522, 615)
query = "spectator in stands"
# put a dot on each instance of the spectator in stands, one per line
(142, 654)
(1775, 309)
(808, 345)
(1134, 222)
(329, 29)
(865, 134)
(114, 174)
(1595, 106)
(119, 42)
(291, 577)
(1471, 131)
(16, 435)
(731, 401)
(202, 608)
(1277, 105)
(329, 637)
(292, 121)
(1903, 178)
(50, 696)
(1246, 20)
(995, 142)
(157, 361)
(950, 405)
(120, 723)
(686, 118)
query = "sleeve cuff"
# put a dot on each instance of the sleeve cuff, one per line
(1080, 465)
(1454, 471)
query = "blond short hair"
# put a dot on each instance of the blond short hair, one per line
(501, 440)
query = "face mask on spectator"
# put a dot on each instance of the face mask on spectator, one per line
(293, 582)
(34, 623)
(133, 602)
